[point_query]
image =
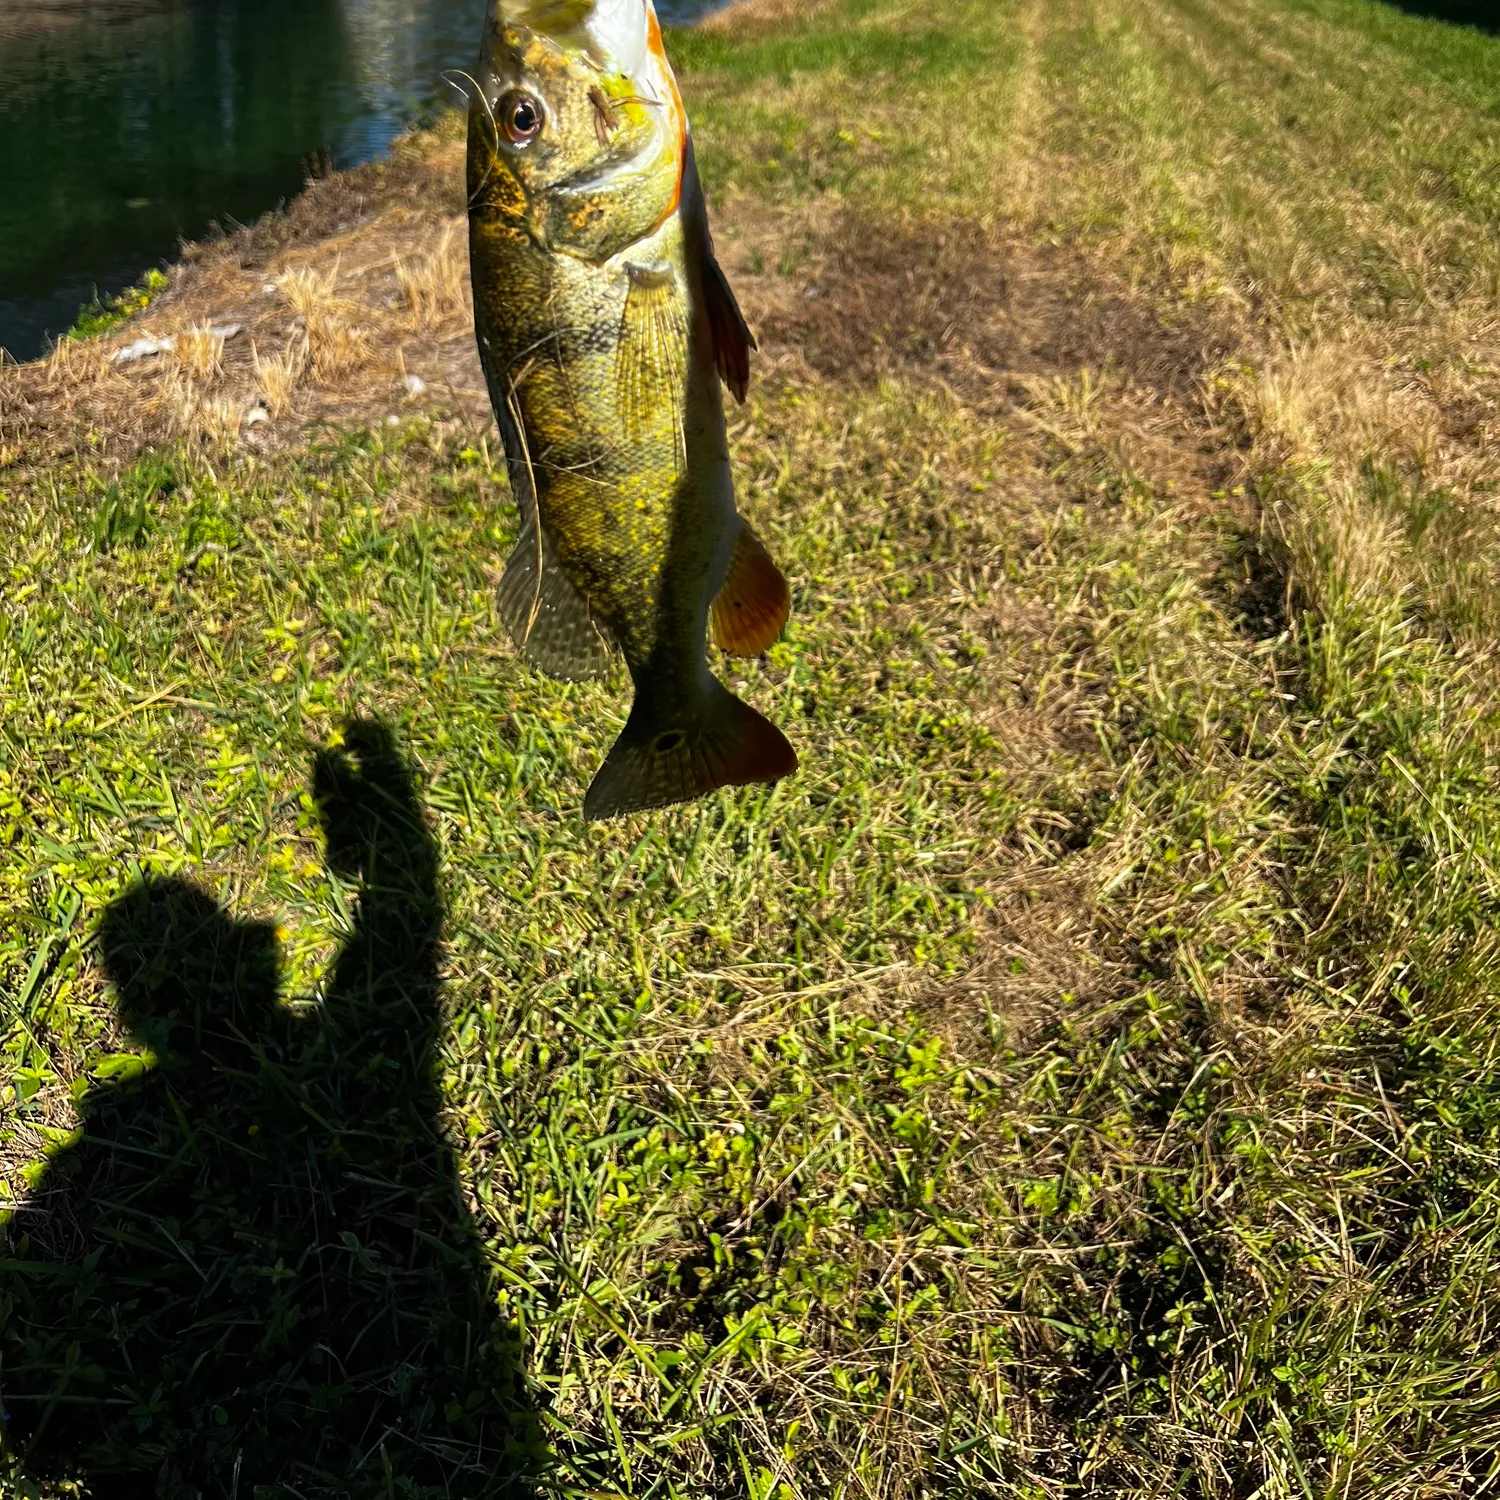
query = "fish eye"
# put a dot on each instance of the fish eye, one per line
(520, 117)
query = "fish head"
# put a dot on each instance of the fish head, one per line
(576, 127)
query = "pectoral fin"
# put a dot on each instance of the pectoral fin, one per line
(754, 602)
(651, 362)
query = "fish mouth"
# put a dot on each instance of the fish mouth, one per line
(614, 34)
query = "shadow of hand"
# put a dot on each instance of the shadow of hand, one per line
(255, 1267)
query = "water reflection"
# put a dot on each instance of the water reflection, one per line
(126, 125)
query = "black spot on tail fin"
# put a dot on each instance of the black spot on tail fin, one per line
(718, 741)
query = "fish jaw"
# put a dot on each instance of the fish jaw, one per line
(615, 33)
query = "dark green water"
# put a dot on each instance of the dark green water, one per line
(128, 125)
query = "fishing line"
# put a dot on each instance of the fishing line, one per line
(449, 76)
(535, 514)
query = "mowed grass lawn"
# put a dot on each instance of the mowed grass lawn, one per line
(1081, 1078)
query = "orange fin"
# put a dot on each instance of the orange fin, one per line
(657, 760)
(754, 602)
(732, 339)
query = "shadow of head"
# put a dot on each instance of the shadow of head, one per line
(190, 980)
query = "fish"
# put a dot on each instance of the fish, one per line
(607, 331)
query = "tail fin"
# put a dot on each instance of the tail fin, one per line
(717, 741)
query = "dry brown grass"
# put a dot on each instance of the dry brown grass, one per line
(199, 353)
(337, 345)
(218, 420)
(277, 376)
(75, 362)
(191, 409)
(434, 287)
(1375, 481)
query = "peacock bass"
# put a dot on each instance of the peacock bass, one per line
(605, 327)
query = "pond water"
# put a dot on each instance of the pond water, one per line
(127, 125)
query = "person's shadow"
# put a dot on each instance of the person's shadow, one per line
(254, 1274)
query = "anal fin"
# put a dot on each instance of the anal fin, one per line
(549, 620)
(754, 602)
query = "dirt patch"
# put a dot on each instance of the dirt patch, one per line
(1045, 945)
(349, 306)
(999, 320)
(978, 308)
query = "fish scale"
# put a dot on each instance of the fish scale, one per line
(605, 326)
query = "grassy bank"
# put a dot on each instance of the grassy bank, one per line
(1080, 1079)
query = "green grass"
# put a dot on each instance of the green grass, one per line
(100, 317)
(1080, 1078)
